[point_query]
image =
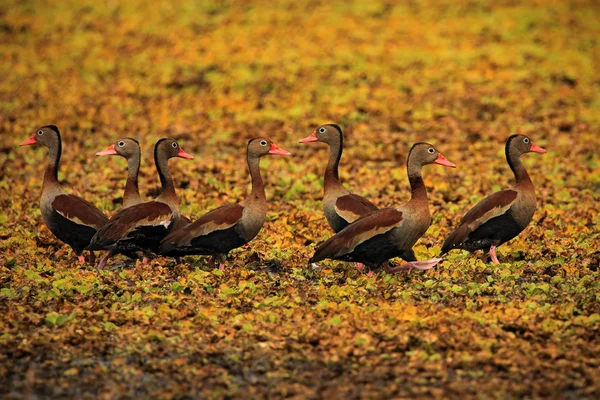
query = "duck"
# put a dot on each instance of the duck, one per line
(141, 227)
(72, 219)
(503, 215)
(389, 232)
(341, 206)
(129, 149)
(230, 226)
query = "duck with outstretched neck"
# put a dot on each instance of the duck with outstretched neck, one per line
(503, 215)
(389, 232)
(341, 206)
(223, 229)
(129, 149)
(141, 227)
(70, 218)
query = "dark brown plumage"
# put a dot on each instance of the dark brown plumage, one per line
(389, 232)
(141, 227)
(70, 218)
(223, 229)
(341, 207)
(503, 215)
(129, 149)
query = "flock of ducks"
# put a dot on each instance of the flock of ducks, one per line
(364, 234)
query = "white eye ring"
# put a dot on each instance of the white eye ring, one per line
(174, 145)
(431, 150)
(121, 143)
(322, 130)
(263, 142)
(40, 132)
(526, 140)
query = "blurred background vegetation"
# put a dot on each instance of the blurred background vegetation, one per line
(463, 75)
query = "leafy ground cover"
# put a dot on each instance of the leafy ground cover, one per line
(463, 75)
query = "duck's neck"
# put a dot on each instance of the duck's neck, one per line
(521, 176)
(417, 186)
(51, 174)
(332, 178)
(167, 193)
(132, 191)
(258, 187)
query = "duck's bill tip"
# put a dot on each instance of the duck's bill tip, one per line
(110, 151)
(537, 149)
(278, 151)
(310, 138)
(443, 161)
(29, 141)
(183, 154)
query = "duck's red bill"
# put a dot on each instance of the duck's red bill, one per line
(443, 161)
(276, 150)
(29, 141)
(110, 151)
(536, 149)
(311, 138)
(183, 154)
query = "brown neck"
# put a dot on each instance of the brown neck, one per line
(521, 175)
(51, 174)
(332, 178)
(167, 193)
(132, 191)
(417, 186)
(258, 187)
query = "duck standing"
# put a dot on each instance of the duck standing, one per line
(341, 206)
(223, 229)
(129, 149)
(70, 218)
(389, 232)
(503, 215)
(141, 227)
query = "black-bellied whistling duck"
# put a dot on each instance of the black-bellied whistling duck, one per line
(223, 229)
(129, 149)
(70, 218)
(503, 215)
(141, 227)
(389, 232)
(341, 206)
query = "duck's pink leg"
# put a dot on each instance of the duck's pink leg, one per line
(493, 255)
(421, 265)
(221, 267)
(81, 259)
(359, 266)
(370, 274)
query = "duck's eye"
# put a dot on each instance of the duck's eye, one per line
(121, 143)
(526, 140)
(263, 142)
(40, 132)
(174, 145)
(322, 130)
(431, 150)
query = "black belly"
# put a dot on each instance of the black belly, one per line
(374, 252)
(217, 242)
(144, 238)
(494, 232)
(75, 235)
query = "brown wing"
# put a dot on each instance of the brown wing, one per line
(351, 207)
(363, 229)
(488, 208)
(220, 218)
(79, 211)
(152, 213)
